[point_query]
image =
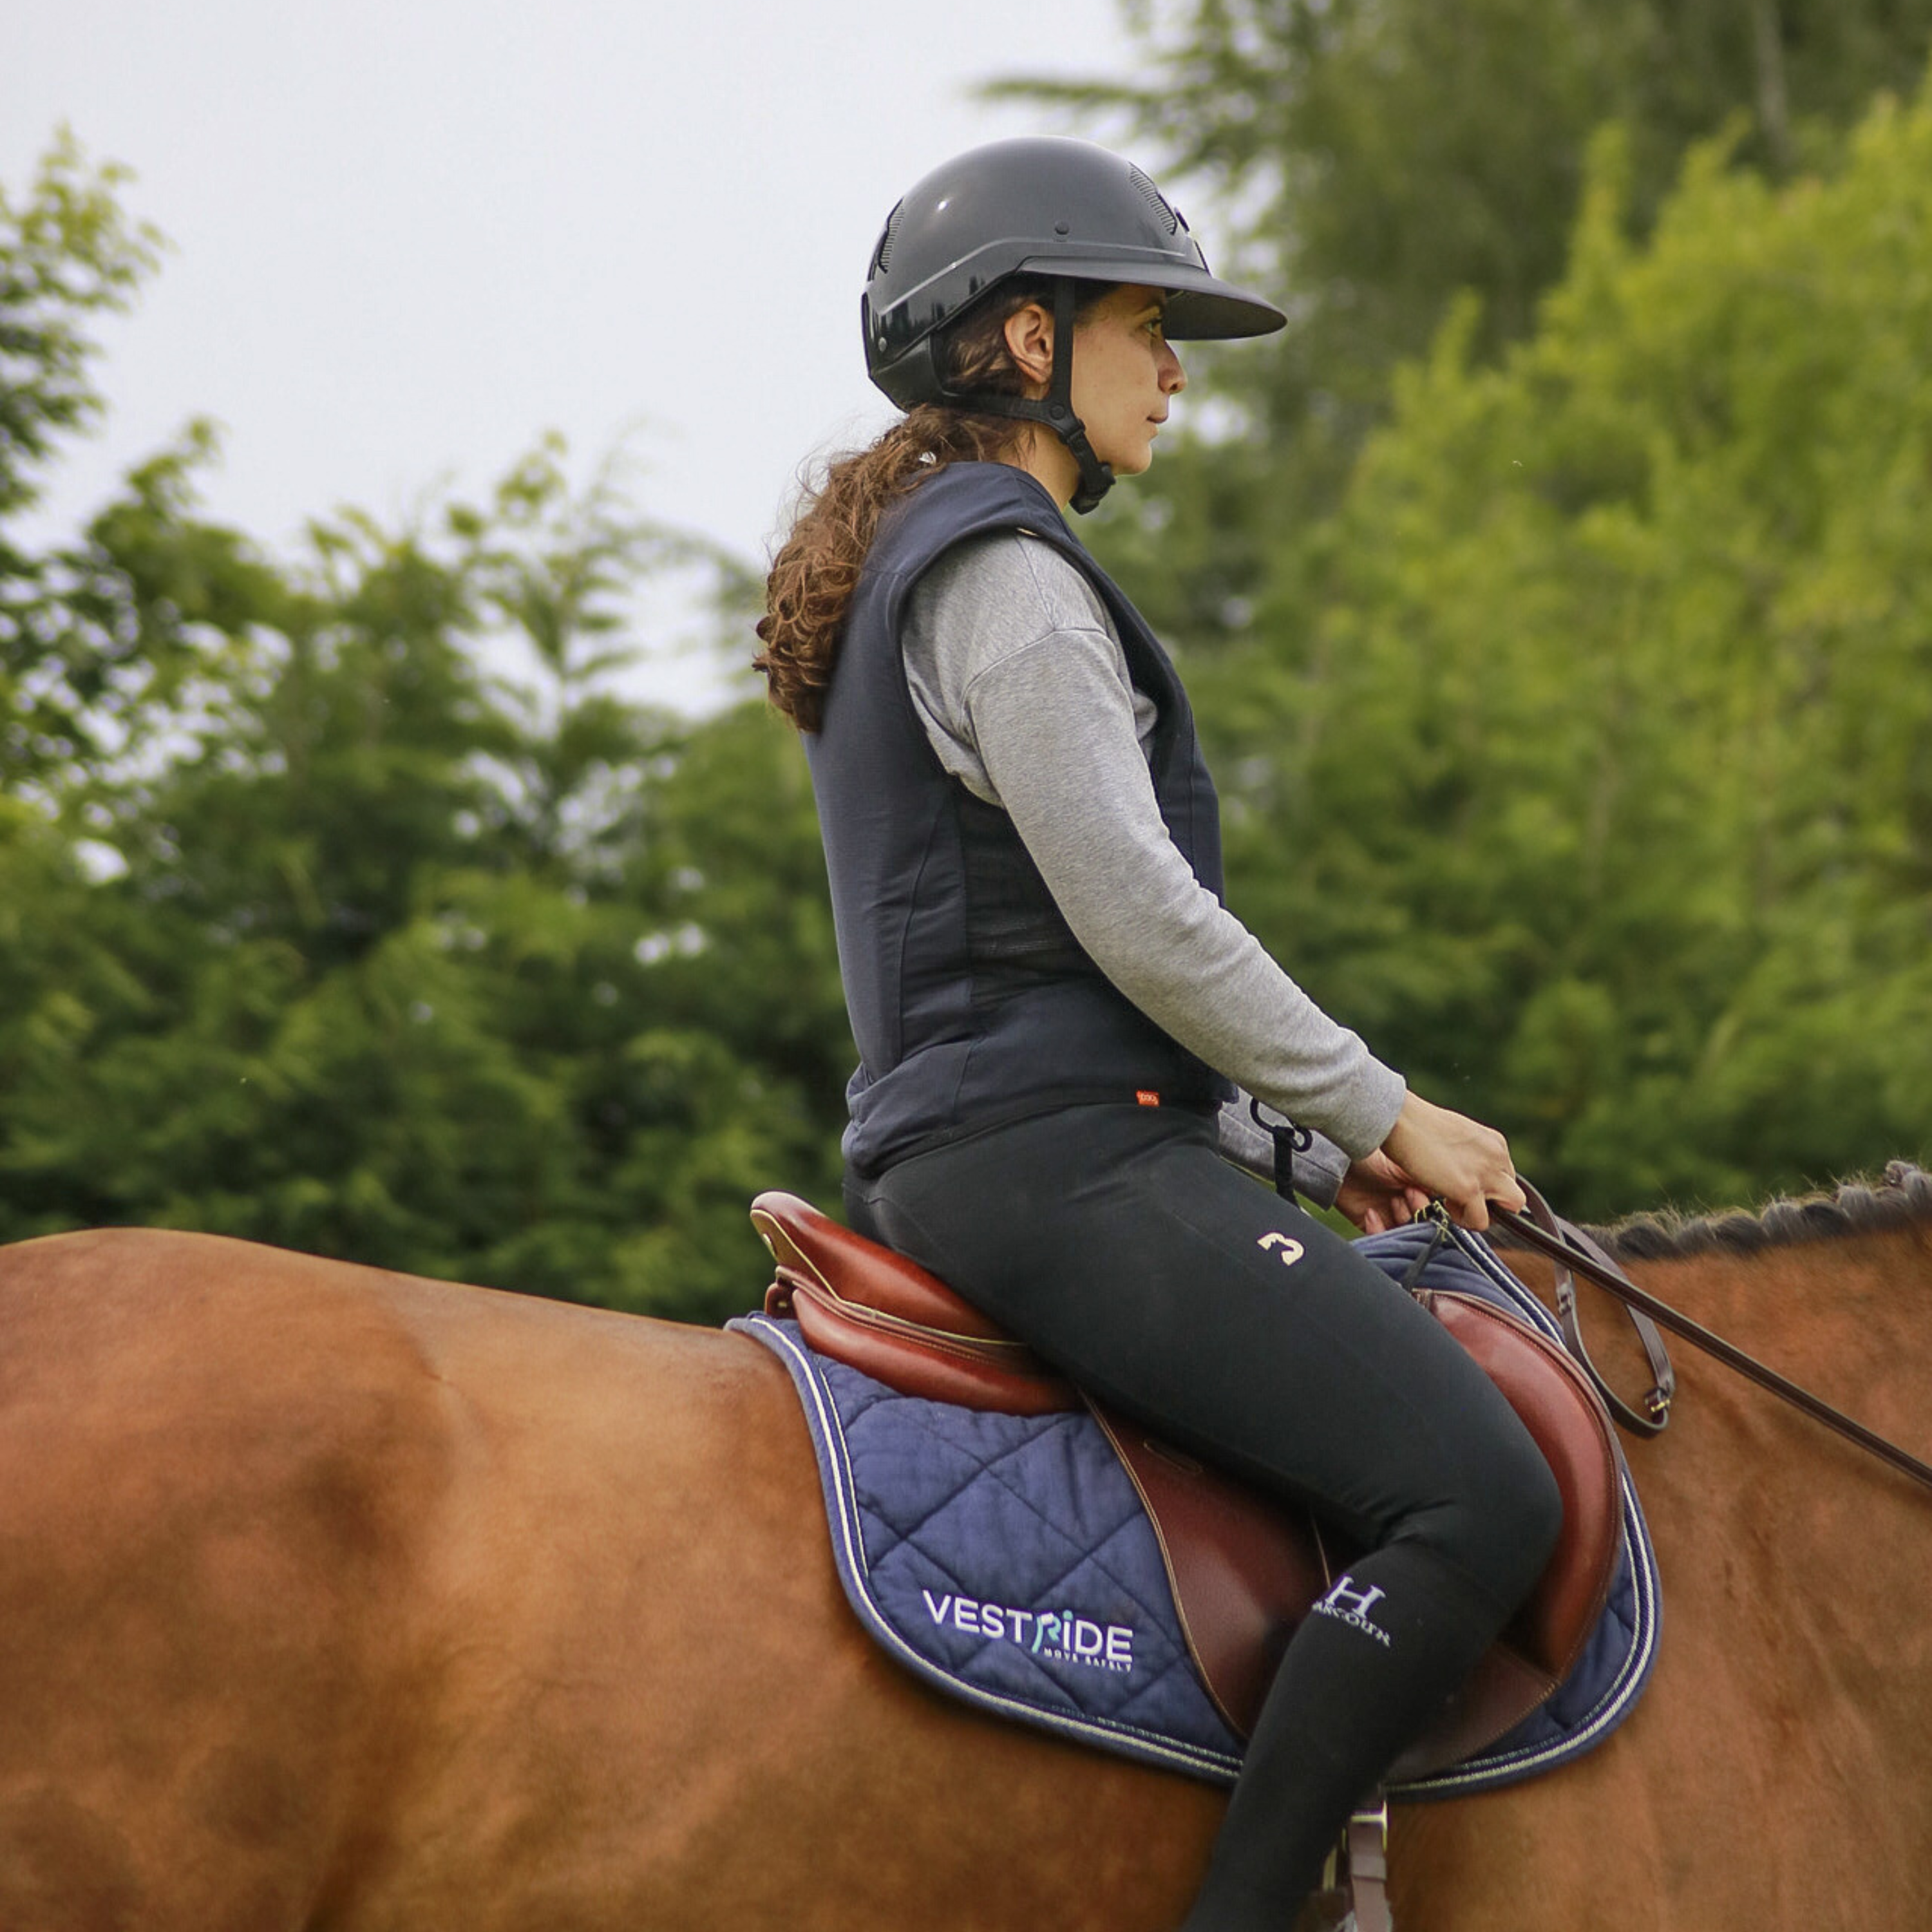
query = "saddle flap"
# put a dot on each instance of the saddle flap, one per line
(1566, 1420)
(1243, 1568)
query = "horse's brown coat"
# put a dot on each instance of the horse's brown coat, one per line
(331, 1598)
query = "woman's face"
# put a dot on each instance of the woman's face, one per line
(1124, 376)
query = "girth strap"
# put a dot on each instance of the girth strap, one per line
(1570, 1248)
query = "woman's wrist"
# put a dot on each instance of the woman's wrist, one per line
(1370, 1110)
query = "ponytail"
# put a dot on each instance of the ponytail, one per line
(816, 570)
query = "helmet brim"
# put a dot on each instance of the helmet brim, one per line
(1201, 308)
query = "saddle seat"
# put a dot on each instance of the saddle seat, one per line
(1246, 1566)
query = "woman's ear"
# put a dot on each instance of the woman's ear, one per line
(1030, 342)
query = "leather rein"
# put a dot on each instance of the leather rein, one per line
(1575, 1252)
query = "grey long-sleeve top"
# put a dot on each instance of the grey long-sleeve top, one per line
(1024, 692)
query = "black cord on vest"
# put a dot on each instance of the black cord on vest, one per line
(1289, 1140)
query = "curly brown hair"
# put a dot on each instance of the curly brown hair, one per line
(816, 570)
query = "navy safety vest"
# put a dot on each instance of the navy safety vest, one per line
(970, 999)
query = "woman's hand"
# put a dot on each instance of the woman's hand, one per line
(1377, 1195)
(1448, 1154)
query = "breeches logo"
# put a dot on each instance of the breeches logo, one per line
(1057, 1635)
(1350, 1606)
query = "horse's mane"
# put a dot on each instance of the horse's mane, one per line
(1901, 1197)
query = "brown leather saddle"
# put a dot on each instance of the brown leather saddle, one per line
(1245, 1567)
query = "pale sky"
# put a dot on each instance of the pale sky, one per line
(409, 236)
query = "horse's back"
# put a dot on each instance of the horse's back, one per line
(287, 1542)
(334, 1597)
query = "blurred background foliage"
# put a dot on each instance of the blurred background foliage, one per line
(1556, 592)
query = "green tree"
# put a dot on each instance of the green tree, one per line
(314, 930)
(81, 662)
(1584, 760)
(526, 987)
(1382, 157)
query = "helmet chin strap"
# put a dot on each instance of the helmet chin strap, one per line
(1056, 412)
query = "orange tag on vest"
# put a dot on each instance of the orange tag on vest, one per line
(1145, 1098)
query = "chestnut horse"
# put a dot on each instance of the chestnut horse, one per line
(336, 1599)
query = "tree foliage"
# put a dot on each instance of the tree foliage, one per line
(1380, 159)
(1586, 760)
(336, 940)
(1581, 756)
(78, 660)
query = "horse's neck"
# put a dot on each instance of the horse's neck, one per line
(1850, 1318)
(1852, 1314)
(1791, 1707)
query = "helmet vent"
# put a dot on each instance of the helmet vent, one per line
(1158, 205)
(882, 255)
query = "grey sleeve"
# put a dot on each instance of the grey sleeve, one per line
(1049, 712)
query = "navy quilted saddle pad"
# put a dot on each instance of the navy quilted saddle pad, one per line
(1007, 1559)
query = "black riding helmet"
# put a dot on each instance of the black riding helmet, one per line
(1062, 209)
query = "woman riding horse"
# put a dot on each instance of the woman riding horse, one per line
(1054, 1008)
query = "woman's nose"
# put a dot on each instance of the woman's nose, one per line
(1173, 376)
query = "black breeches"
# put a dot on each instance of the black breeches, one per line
(1117, 1243)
